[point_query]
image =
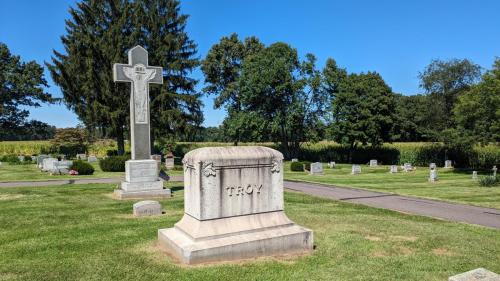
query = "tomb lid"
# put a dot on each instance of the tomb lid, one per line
(233, 153)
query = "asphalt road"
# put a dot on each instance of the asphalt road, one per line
(488, 217)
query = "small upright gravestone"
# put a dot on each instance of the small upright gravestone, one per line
(233, 208)
(48, 164)
(316, 168)
(495, 169)
(474, 175)
(356, 169)
(169, 161)
(81, 156)
(39, 160)
(433, 176)
(478, 274)
(432, 166)
(373, 163)
(447, 164)
(295, 160)
(92, 159)
(394, 169)
(147, 208)
(157, 158)
(331, 165)
(407, 167)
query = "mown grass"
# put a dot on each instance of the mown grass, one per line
(30, 172)
(453, 186)
(77, 232)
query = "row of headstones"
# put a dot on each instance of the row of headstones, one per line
(54, 166)
(169, 160)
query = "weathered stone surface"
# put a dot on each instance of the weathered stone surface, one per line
(48, 164)
(169, 163)
(92, 159)
(478, 274)
(407, 167)
(295, 160)
(448, 164)
(331, 164)
(474, 175)
(81, 156)
(141, 181)
(393, 169)
(494, 169)
(316, 168)
(373, 163)
(356, 169)
(432, 166)
(39, 160)
(433, 175)
(233, 208)
(147, 208)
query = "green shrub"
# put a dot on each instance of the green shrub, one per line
(28, 159)
(83, 168)
(297, 166)
(488, 181)
(114, 163)
(10, 158)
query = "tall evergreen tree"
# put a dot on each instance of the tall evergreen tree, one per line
(21, 84)
(98, 34)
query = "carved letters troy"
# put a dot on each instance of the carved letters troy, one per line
(244, 190)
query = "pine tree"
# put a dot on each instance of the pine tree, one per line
(99, 34)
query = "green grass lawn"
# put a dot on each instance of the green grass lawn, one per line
(30, 172)
(77, 232)
(454, 186)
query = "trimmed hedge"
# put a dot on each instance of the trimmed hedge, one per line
(297, 166)
(83, 168)
(114, 163)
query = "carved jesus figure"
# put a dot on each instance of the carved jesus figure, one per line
(140, 76)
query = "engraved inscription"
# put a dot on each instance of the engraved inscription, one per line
(248, 189)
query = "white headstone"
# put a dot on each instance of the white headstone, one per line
(92, 159)
(394, 169)
(356, 169)
(147, 208)
(233, 204)
(432, 166)
(495, 169)
(433, 176)
(373, 163)
(81, 156)
(295, 160)
(169, 163)
(21, 158)
(478, 274)
(407, 167)
(48, 164)
(39, 160)
(474, 175)
(447, 164)
(316, 168)
(331, 164)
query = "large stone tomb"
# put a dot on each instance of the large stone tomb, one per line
(233, 208)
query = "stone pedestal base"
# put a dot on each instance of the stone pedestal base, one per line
(265, 234)
(141, 181)
(142, 194)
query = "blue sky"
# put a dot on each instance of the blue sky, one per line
(395, 38)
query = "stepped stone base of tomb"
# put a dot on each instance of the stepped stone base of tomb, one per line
(194, 241)
(141, 181)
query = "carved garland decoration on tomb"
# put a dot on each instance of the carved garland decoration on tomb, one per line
(209, 169)
(275, 166)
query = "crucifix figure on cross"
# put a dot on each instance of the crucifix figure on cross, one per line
(140, 74)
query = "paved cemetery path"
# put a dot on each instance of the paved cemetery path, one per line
(411, 205)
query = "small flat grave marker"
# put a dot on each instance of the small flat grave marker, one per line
(478, 274)
(447, 164)
(407, 167)
(316, 168)
(147, 208)
(92, 159)
(356, 169)
(433, 176)
(331, 164)
(295, 160)
(373, 163)
(81, 156)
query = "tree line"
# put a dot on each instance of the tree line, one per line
(270, 93)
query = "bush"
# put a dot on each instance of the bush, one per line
(488, 181)
(10, 158)
(28, 159)
(114, 163)
(297, 166)
(83, 168)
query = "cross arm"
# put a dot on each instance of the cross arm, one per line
(118, 73)
(158, 76)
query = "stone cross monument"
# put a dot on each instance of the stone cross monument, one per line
(141, 173)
